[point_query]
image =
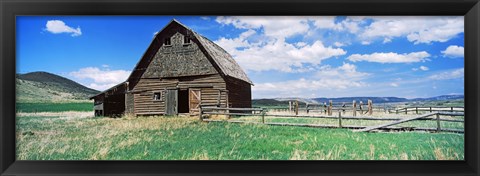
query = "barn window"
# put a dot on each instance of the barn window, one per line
(186, 40)
(167, 41)
(157, 96)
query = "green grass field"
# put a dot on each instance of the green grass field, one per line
(54, 107)
(184, 138)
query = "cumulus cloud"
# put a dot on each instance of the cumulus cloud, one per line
(446, 75)
(327, 78)
(58, 26)
(99, 79)
(416, 29)
(423, 68)
(394, 84)
(390, 57)
(453, 51)
(272, 26)
(273, 52)
(366, 43)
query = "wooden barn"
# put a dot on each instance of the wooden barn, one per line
(179, 71)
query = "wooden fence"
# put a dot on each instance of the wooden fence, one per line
(427, 109)
(387, 126)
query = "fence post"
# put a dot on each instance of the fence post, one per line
(396, 111)
(307, 108)
(289, 106)
(406, 110)
(339, 119)
(329, 107)
(430, 109)
(296, 107)
(200, 113)
(451, 110)
(354, 108)
(370, 107)
(438, 123)
(361, 108)
(416, 110)
(263, 116)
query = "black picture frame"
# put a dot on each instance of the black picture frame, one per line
(11, 8)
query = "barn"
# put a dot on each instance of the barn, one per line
(180, 71)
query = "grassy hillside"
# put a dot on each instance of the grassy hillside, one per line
(40, 87)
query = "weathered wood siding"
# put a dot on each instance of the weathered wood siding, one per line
(239, 93)
(209, 85)
(179, 59)
(114, 101)
(129, 103)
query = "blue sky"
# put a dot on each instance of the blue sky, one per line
(319, 56)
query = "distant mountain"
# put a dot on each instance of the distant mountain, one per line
(442, 97)
(48, 87)
(363, 99)
(271, 102)
(284, 101)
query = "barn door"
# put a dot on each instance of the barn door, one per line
(194, 100)
(171, 102)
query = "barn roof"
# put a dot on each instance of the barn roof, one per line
(228, 66)
(221, 58)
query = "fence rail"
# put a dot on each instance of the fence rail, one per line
(262, 112)
(427, 109)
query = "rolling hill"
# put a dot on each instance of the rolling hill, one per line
(284, 101)
(47, 87)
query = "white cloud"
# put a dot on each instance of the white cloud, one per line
(390, 57)
(279, 27)
(99, 79)
(327, 78)
(423, 68)
(272, 52)
(338, 44)
(349, 24)
(101, 87)
(452, 74)
(453, 51)
(366, 43)
(387, 40)
(57, 27)
(416, 29)
(394, 84)
(325, 22)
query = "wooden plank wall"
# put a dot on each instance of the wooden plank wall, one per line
(239, 93)
(209, 85)
(114, 102)
(129, 103)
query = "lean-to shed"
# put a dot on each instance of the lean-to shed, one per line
(179, 71)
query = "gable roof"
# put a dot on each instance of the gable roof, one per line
(221, 59)
(224, 60)
(228, 66)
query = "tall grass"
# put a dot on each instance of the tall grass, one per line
(185, 138)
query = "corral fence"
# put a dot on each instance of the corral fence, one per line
(430, 109)
(206, 112)
(358, 108)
